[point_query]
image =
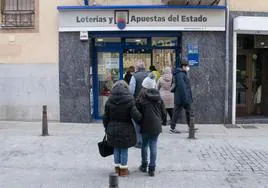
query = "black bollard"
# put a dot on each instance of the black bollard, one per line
(191, 127)
(44, 122)
(113, 180)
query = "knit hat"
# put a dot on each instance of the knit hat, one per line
(149, 82)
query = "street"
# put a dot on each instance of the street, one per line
(219, 157)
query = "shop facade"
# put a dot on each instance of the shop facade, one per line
(248, 67)
(98, 43)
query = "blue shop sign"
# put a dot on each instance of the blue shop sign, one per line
(193, 54)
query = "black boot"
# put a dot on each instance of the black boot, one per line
(143, 167)
(151, 171)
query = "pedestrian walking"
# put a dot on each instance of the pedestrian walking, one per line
(135, 85)
(164, 86)
(120, 109)
(182, 97)
(152, 107)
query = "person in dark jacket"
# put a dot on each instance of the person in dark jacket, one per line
(120, 109)
(135, 87)
(152, 107)
(129, 73)
(182, 96)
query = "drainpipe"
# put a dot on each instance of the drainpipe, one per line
(86, 2)
(226, 94)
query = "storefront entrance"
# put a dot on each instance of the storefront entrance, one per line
(113, 55)
(251, 80)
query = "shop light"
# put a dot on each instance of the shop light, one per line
(100, 40)
(138, 40)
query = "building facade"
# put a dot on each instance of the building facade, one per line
(71, 54)
(248, 57)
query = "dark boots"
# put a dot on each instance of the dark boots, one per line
(143, 167)
(151, 171)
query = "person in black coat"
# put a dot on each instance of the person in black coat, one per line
(182, 96)
(119, 111)
(152, 107)
(129, 73)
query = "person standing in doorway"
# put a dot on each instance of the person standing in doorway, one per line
(182, 97)
(164, 86)
(156, 72)
(129, 73)
(152, 108)
(120, 109)
(135, 85)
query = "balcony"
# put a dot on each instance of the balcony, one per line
(191, 2)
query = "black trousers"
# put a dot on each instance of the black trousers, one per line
(170, 113)
(188, 113)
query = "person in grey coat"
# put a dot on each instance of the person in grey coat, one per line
(135, 85)
(182, 96)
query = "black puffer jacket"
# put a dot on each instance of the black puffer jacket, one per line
(119, 110)
(153, 110)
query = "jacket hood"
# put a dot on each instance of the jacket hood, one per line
(167, 76)
(153, 95)
(123, 99)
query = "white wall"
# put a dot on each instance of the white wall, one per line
(24, 88)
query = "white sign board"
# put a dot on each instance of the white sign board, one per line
(83, 35)
(142, 20)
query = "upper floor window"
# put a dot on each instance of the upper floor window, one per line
(18, 13)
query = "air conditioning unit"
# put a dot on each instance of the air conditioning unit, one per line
(261, 41)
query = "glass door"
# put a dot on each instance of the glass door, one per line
(108, 73)
(247, 84)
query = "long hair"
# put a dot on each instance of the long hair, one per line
(142, 94)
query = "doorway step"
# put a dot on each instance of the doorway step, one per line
(252, 120)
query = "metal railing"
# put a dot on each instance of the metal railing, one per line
(18, 13)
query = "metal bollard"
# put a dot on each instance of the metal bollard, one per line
(113, 180)
(44, 122)
(191, 127)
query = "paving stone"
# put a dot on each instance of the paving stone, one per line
(220, 157)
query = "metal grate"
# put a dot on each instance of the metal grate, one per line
(249, 127)
(18, 13)
(231, 126)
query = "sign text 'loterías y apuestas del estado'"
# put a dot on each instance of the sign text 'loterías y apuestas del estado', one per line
(141, 19)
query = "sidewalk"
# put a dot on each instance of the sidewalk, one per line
(220, 157)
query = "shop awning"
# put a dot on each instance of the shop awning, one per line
(251, 25)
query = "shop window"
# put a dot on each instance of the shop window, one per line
(164, 41)
(18, 13)
(136, 41)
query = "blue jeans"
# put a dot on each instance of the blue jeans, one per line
(151, 141)
(138, 134)
(121, 156)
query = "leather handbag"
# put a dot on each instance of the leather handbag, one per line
(105, 149)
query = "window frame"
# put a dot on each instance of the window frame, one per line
(33, 28)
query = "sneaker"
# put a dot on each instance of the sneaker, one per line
(171, 131)
(143, 169)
